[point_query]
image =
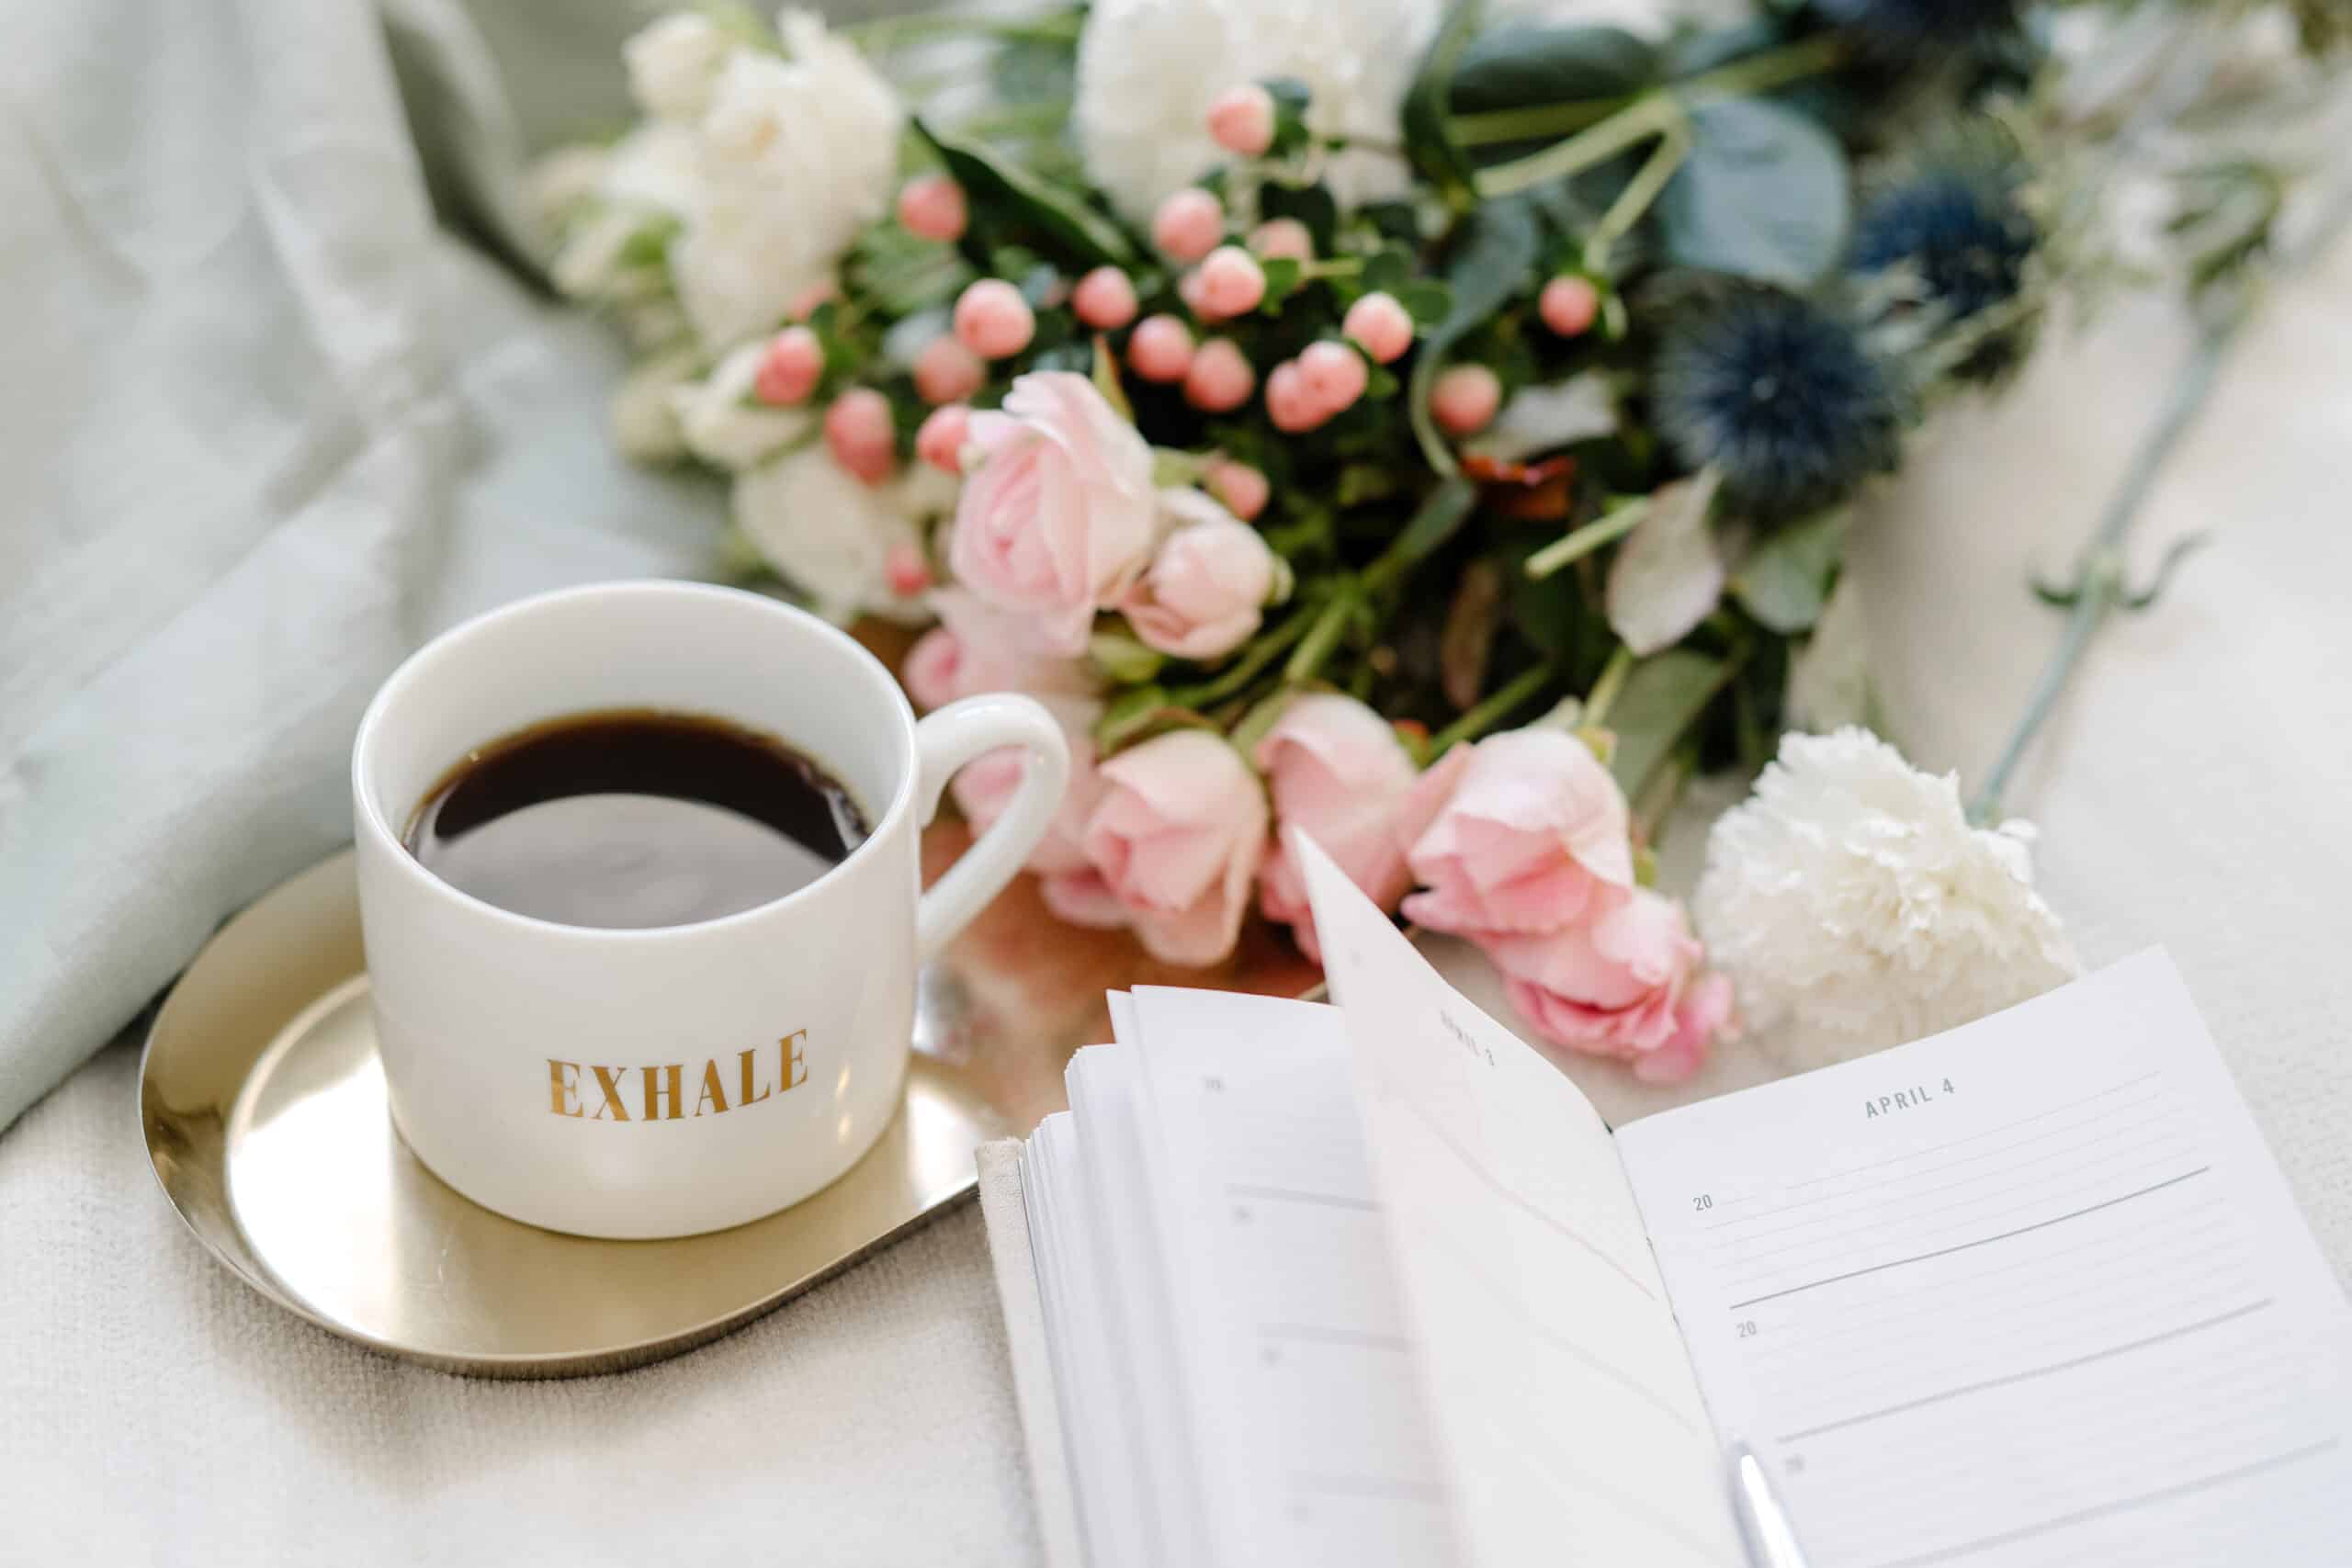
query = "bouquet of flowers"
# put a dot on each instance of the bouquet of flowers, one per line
(1432, 430)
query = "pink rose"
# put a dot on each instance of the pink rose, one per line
(1627, 984)
(1177, 838)
(1074, 890)
(1058, 515)
(1525, 831)
(1337, 770)
(1199, 597)
(975, 648)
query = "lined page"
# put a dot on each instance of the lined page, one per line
(1312, 1432)
(1570, 1421)
(2030, 1292)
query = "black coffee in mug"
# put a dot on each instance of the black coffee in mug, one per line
(634, 818)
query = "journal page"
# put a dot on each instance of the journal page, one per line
(1570, 1424)
(2030, 1292)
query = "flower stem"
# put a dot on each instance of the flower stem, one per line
(1322, 639)
(1644, 117)
(1533, 121)
(1598, 702)
(1650, 179)
(1264, 650)
(1498, 705)
(1573, 547)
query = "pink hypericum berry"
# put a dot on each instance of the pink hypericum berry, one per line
(1380, 325)
(940, 440)
(1196, 300)
(804, 304)
(947, 372)
(1231, 281)
(857, 427)
(1465, 397)
(905, 570)
(1334, 373)
(1188, 224)
(1289, 404)
(993, 321)
(1569, 305)
(1242, 489)
(1104, 299)
(1243, 120)
(790, 369)
(932, 206)
(1220, 379)
(1282, 237)
(1161, 348)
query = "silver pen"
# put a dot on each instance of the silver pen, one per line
(1764, 1522)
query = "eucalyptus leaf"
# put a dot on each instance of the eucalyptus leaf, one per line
(1785, 580)
(1494, 253)
(1545, 418)
(1522, 65)
(1830, 676)
(1764, 194)
(1661, 698)
(1668, 574)
(1428, 140)
(1009, 205)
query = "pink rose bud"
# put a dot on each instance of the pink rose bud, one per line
(1282, 237)
(993, 321)
(1231, 281)
(1105, 299)
(1380, 325)
(1569, 305)
(947, 372)
(1337, 770)
(905, 570)
(1199, 597)
(1626, 985)
(1289, 404)
(1060, 514)
(804, 304)
(1188, 224)
(931, 206)
(1334, 373)
(858, 429)
(789, 368)
(1243, 120)
(1161, 349)
(940, 441)
(1243, 488)
(1177, 837)
(1524, 832)
(1465, 397)
(1220, 379)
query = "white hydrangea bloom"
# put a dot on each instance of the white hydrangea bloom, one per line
(720, 422)
(1855, 909)
(796, 154)
(827, 532)
(672, 61)
(1148, 71)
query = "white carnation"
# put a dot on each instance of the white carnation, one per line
(644, 414)
(796, 155)
(722, 423)
(1148, 71)
(1855, 909)
(826, 531)
(672, 61)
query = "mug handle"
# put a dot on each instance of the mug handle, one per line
(945, 741)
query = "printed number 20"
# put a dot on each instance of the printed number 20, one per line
(1748, 1328)
(1702, 1202)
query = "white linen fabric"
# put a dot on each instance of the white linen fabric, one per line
(264, 426)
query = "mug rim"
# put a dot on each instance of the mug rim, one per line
(371, 820)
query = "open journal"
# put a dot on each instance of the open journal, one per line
(1373, 1284)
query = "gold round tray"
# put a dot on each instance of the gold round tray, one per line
(262, 1104)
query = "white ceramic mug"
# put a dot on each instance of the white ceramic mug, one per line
(669, 1080)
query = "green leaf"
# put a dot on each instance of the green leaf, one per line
(1388, 269)
(1785, 579)
(1764, 194)
(1668, 574)
(1281, 279)
(1311, 205)
(1830, 676)
(1429, 141)
(1545, 418)
(1491, 259)
(1440, 515)
(1522, 65)
(1012, 205)
(1660, 699)
(1426, 300)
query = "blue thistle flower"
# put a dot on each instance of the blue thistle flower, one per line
(1917, 29)
(1962, 230)
(1777, 393)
